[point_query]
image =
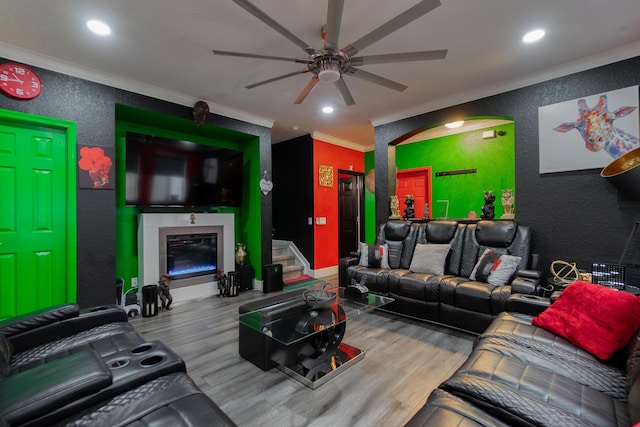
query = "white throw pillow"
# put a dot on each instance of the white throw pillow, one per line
(429, 258)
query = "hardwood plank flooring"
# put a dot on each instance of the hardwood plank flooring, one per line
(405, 359)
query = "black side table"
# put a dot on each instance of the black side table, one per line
(246, 274)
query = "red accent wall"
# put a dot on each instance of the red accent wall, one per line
(326, 199)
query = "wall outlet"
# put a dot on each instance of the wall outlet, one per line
(134, 282)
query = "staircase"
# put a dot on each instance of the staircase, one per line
(285, 253)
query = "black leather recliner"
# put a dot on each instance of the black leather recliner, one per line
(94, 370)
(38, 336)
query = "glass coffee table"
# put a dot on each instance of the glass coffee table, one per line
(302, 339)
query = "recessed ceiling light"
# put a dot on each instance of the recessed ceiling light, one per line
(98, 27)
(454, 125)
(327, 110)
(533, 36)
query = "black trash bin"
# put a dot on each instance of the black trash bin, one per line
(272, 278)
(149, 300)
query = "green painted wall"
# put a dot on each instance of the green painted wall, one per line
(493, 158)
(369, 203)
(247, 218)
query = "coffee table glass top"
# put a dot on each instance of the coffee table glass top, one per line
(292, 320)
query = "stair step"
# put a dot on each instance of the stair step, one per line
(291, 271)
(284, 259)
(279, 250)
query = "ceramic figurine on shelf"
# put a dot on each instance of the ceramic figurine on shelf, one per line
(395, 208)
(507, 204)
(488, 208)
(409, 211)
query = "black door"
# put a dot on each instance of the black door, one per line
(350, 209)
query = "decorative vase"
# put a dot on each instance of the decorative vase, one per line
(241, 253)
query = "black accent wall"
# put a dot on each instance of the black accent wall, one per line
(92, 107)
(575, 216)
(293, 193)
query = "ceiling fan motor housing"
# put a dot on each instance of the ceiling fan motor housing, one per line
(329, 66)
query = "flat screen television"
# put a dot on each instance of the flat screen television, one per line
(168, 172)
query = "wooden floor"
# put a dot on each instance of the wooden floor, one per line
(405, 359)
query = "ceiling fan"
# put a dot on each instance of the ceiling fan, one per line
(330, 64)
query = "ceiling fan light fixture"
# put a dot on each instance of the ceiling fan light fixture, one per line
(330, 76)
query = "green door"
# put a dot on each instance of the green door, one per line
(37, 213)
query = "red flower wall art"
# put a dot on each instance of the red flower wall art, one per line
(98, 166)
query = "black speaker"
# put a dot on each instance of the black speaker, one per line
(272, 278)
(246, 277)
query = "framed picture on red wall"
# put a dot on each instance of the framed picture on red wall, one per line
(326, 176)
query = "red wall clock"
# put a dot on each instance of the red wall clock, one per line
(19, 81)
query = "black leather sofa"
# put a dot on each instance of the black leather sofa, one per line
(65, 366)
(522, 375)
(450, 298)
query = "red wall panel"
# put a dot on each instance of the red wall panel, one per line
(326, 199)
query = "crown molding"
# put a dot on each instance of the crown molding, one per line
(341, 142)
(54, 64)
(621, 53)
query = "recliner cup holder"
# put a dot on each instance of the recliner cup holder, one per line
(118, 363)
(141, 348)
(151, 361)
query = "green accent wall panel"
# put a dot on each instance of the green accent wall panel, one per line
(369, 203)
(493, 158)
(247, 218)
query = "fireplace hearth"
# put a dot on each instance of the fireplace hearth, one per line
(154, 231)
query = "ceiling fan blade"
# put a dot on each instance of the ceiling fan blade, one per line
(344, 92)
(249, 7)
(389, 27)
(252, 55)
(307, 89)
(332, 30)
(399, 57)
(374, 78)
(275, 79)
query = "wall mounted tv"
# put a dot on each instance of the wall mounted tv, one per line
(168, 172)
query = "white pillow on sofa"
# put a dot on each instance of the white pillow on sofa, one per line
(494, 268)
(429, 258)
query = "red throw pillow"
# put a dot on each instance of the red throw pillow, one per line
(595, 318)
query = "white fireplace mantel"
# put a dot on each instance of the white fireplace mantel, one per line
(149, 268)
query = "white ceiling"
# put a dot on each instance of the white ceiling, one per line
(163, 48)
